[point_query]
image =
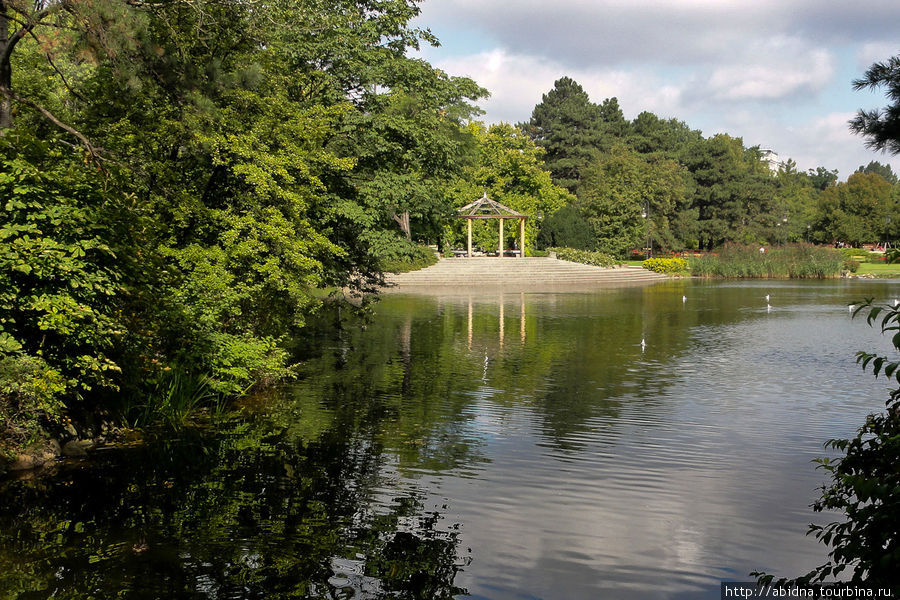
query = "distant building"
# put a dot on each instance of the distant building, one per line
(771, 157)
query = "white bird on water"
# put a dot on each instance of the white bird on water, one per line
(850, 307)
(684, 298)
(896, 302)
(767, 298)
(643, 344)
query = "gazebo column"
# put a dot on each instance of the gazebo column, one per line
(522, 238)
(500, 243)
(469, 237)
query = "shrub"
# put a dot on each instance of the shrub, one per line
(407, 256)
(587, 257)
(854, 253)
(851, 265)
(670, 266)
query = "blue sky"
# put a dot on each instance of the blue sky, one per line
(775, 72)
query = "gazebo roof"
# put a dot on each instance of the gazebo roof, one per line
(485, 208)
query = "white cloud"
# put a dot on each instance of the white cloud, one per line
(616, 32)
(873, 52)
(517, 83)
(824, 141)
(774, 73)
(773, 70)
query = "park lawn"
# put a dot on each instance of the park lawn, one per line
(634, 263)
(879, 270)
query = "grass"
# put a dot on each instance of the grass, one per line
(879, 269)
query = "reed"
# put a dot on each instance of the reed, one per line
(795, 261)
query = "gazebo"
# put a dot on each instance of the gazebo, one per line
(485, 208)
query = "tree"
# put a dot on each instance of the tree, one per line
(248, 160)
(509, 169)
(796, 200)
(884, 170)
(622, 185)
(821, 178)
(734, 192)
(566, 228)
(880, 127)
(650, 134)
(614, 124)
(409, 143)
(570, 128)
(856, 211)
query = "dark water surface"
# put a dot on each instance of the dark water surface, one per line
(502, 446)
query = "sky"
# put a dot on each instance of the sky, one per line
(777, 73)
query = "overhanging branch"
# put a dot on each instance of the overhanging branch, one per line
(95, 155)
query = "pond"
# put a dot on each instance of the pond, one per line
(515, 445)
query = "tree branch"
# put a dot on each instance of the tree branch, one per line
(34, 21)
(95, 156)
(58, 72)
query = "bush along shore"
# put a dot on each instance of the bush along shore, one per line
(795, 261)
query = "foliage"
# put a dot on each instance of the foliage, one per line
(733, 192)
(864, 483)
(671, 266)
(569, 127)
(886, 172)
(851, 265)
(880, 127)
(59, 280)
(860, 253)
(412, 258)
(566, 228)
(508, 166)
(229, 165)
(587, 257)
(627, 197)
(892, 256)
(802, 261)
(175, 397)
(856, 211)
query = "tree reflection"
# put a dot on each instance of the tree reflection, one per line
(243, 514)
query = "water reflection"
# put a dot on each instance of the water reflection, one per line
(503, 446)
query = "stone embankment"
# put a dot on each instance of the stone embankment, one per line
(464, 275)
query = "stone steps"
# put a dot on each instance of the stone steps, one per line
(530, 273)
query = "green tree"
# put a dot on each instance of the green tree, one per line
(253, 158)
(650, 134)
(59, 282)
(510, 169)
(570, 128)
(734, 192)
(566, 228)
(795, 200)
(620, 187)
(884, 170)
(855, 211)
(821, 178)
